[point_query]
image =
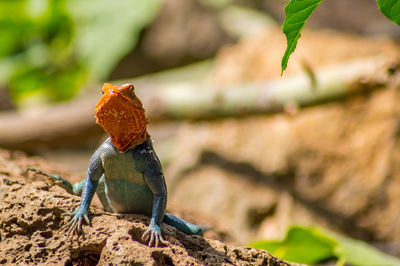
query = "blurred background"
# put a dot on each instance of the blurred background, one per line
(254, 151)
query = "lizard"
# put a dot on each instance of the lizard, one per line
(125, 171)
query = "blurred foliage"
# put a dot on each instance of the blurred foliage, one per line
(312, 245)
(51, 48)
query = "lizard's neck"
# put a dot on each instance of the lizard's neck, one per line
(123, 142)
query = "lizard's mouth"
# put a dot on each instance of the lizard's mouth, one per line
(123, 118)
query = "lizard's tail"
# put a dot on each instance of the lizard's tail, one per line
(75, 189)
(184, 226)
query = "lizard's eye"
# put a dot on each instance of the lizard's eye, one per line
(129, 89)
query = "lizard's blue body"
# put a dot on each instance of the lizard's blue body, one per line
(128, 182)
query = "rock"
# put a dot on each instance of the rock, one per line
(31, 233)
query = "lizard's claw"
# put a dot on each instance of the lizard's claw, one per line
(167, 231)
(154, 232)
(75, 224)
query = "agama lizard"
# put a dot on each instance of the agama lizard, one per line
(125, 170)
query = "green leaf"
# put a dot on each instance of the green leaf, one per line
(302, 245)
(297, 12)
(356, 252)
(312, 245)
(391, 9)
(35, 52)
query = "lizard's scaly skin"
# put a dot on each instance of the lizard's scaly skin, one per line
(125, 170)
(120, 113)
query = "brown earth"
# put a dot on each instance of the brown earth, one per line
(334, 165)
(31, 230)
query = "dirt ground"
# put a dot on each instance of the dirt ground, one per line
(31, 230)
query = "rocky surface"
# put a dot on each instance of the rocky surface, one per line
(31, 230)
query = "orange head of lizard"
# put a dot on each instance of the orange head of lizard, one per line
(120, 113)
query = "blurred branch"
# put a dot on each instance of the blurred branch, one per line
(168, 96)
(64, 125)
(201, 100)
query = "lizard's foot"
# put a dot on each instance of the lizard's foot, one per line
(75, 224)
(154, 231)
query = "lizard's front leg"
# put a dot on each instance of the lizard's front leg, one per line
(155, 227)
(81, 213)
(154, 178)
